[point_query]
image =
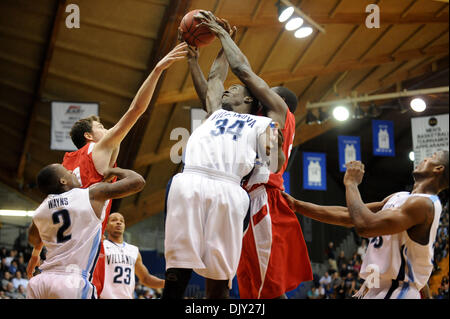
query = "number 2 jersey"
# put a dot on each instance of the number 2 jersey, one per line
(120, 260)
(70, 231)
(397, 256)
(226, 142)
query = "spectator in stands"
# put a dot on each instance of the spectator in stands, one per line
(10, 258)
(321, 291)
(340, 291)
(18, 280)
(10, 291)
(22, 265)
(343, 270)
(313, 293)
(13, 267)
(6, 279)
(329, 291)
(21, 292)
(325, 279)
(341, 259)
(336, 280)
(2, 295)
(331, 256)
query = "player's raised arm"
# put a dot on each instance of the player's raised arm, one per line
(415, 211)
(145, 277)
(240, 66)
(129, 182)
(111, 141)
(198, 78)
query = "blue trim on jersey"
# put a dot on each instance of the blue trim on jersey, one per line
(434, 198)
(85, 289)
(247, 216)
(404, 290)
(93, 255)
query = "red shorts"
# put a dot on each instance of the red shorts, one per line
(274, 257)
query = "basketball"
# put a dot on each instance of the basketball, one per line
(197, 37)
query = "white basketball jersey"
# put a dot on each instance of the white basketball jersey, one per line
(120, 260)
(226, 142)
(71, 232)
(397, 256)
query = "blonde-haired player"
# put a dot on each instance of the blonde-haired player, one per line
(122, 262)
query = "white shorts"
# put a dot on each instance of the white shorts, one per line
(389, 290)
(204, 223)
(60, 286)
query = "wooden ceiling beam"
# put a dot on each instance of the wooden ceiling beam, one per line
(318, 70)
(40, 85)
(342, 18)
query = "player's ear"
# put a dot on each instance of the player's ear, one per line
(248, 100)
(88, 136)
(63, 181)
(439, 169)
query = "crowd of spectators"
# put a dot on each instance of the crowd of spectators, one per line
(13, 275)
(342, 279)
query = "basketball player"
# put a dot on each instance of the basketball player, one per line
(122, 262)
(68, 224)
(98, 147)
(206, 205)
(402, 228)
(265, 270)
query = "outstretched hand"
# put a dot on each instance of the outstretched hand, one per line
(177, 53)
(208, 19)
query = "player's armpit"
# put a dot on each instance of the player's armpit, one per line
(414, 211)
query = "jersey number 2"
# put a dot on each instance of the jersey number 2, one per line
(64, 213)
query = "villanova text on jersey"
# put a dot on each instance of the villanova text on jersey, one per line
(112, 259)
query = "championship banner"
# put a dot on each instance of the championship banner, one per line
(383, 138)
(349, 150)
(314, 171)
(64, 115)
(429, 134)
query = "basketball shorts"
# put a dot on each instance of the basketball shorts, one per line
(60, 286)
(204, 223)
(274, 257)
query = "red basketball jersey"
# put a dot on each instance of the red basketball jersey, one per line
(276, 179)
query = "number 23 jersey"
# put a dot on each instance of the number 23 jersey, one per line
(120, 260)
(70, 231)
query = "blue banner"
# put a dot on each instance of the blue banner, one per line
(314, 171)
(383, 138)
(287, 182)
(349, 150)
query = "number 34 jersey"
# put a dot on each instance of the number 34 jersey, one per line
(226, 142)
(70, 231)
(120, 260)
